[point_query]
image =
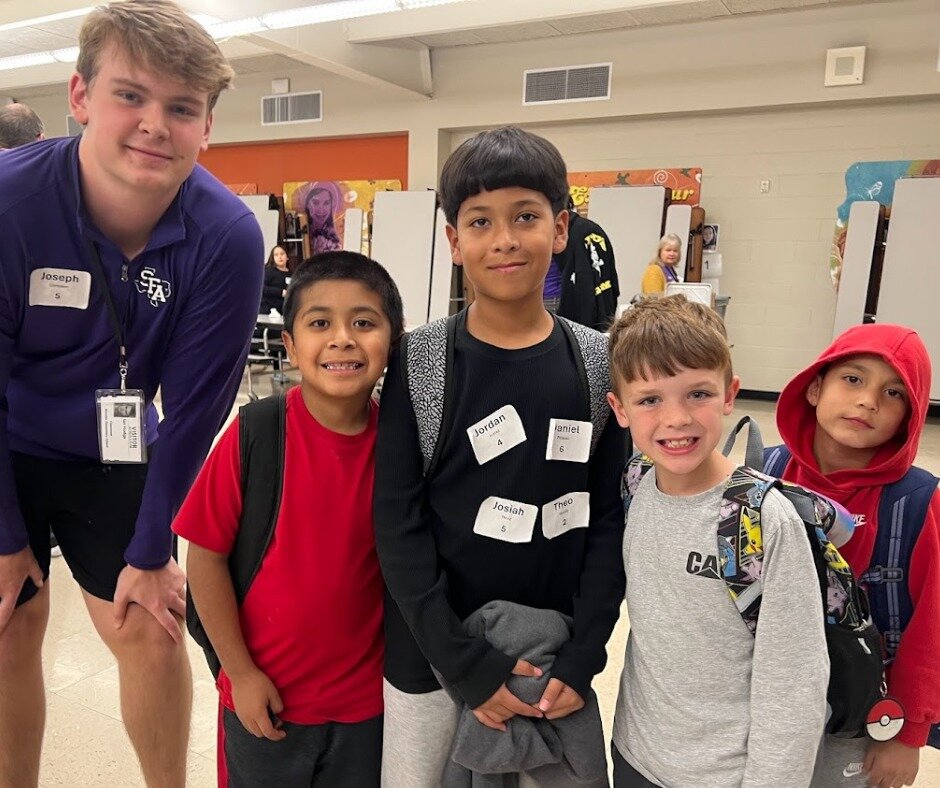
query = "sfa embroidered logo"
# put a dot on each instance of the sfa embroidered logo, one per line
(156, 289)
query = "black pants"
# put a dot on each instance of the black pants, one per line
(333, 755)
(625, 776)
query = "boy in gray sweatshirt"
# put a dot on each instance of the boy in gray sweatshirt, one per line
(703, 701)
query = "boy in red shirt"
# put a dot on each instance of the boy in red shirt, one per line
(852, 422)
(301, 681)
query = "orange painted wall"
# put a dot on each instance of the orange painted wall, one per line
(272, 164)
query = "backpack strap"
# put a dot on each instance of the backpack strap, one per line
(261, 439)
(754, 451)
(901, 514)
(261, 442)
(776, 459)
(593, 370)
(635, 469)
(429, 383)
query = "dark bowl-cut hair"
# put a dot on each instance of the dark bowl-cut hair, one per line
(346, 266)
(500, 159)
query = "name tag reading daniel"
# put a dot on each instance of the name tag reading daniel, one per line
(569, 440)
(121, 426)
(496, 434)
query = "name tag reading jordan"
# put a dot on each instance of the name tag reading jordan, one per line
(570, 511)
(508, 521)
(496, 434)
(569, 440)
(59, 287)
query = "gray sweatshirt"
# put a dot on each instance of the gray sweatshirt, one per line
(702, 701)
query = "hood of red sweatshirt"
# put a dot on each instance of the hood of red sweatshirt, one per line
(899, 347)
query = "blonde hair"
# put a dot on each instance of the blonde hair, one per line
(663, 336)
(668, 238)
(160, 35)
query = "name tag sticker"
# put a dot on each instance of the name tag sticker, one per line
(569, 441)
(563, 514)
(59, 287)
(496, 434)
(508, 521)
(121, 426)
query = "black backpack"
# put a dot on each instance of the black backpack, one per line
(261, 432)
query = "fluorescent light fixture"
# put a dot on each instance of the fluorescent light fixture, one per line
(26, 61)
(38, 21)
(69, 55)
(409, 4)
(237, 27)
(328, 12)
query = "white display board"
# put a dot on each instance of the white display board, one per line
(679, 221)
(352, 229)
(856, 265)
(267, 220)
(403, 242)
(910, 281)
(442, 271)
(632, 216)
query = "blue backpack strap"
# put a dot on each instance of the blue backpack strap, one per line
(901, 514)
(593, 369)
(775, 460)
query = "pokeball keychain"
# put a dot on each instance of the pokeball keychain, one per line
(885, 719)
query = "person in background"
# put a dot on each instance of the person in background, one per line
(662, 268)
(19, 125)
(276, 275)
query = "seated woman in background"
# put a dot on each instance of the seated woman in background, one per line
(276, 274)
(662, 268)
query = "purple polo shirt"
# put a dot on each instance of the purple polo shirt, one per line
(188, 304)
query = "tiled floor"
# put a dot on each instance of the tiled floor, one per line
(85, 742)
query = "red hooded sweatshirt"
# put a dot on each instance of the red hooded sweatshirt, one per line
(914, 676)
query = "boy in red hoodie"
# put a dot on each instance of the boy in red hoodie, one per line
(852, 422)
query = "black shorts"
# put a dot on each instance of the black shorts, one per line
(333, 755)
(90, 507)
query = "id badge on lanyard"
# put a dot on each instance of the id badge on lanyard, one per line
(121, 437)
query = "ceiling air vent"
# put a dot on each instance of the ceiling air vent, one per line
(291, 108)
(574, 83)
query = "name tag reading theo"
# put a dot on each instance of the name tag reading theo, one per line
(496, 434)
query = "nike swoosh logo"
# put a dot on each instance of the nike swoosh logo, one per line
(853, 770)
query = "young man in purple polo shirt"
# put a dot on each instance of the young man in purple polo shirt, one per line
(126, 268)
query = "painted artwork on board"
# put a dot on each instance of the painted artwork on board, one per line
(872, 181)
(685, 183)
(324, 203)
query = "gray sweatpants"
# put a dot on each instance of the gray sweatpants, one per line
(419, 731)
(839, 763)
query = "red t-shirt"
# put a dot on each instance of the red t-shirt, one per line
(312, 618)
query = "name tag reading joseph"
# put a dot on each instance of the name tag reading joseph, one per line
(496, 434)
(569, 440)
(570, 511)
(121, 426)
(508, 521)
(59, 287)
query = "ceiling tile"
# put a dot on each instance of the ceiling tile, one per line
(504, 34)
(458, 39)
(594, 23)
(686, 12)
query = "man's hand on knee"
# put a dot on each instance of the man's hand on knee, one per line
(14, 569)
(161, 592)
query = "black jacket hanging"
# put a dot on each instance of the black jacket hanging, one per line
(589, 287)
